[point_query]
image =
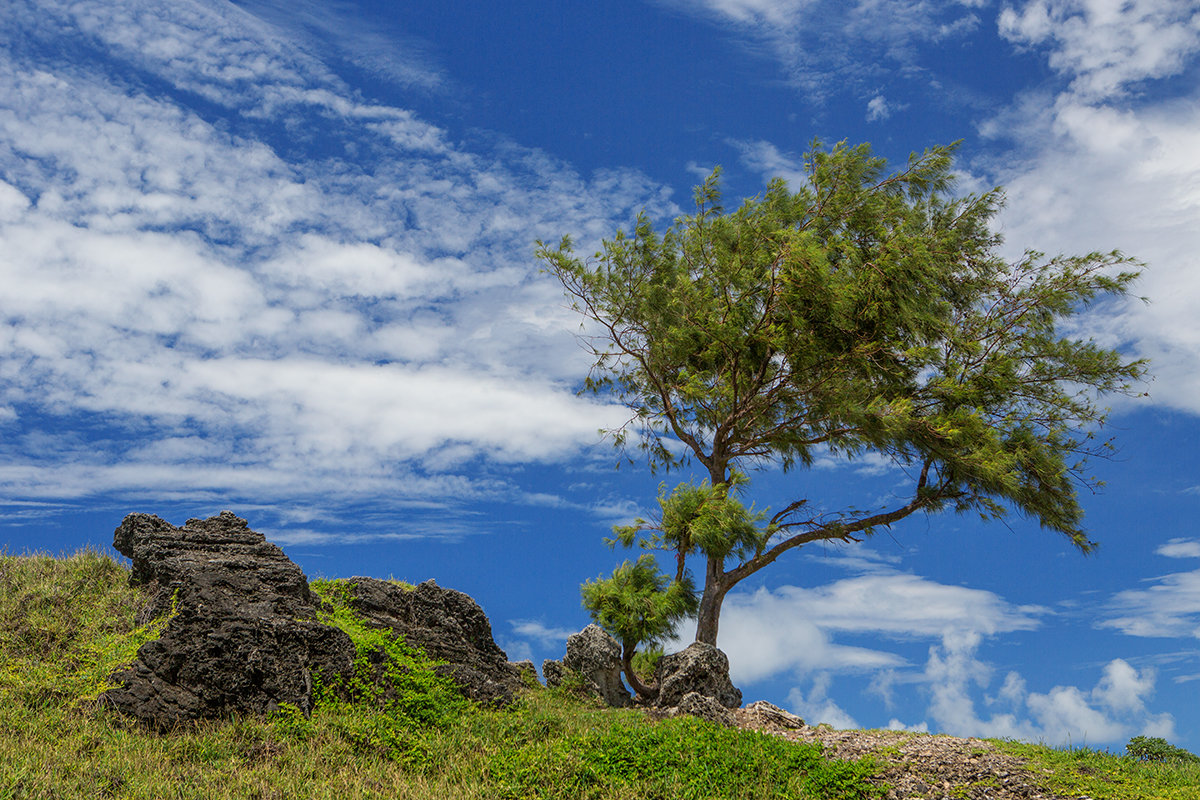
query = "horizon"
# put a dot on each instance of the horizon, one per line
(278, 259)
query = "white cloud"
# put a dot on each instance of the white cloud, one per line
(1110, 712)
(540, 632)
(771, 162)
(1094, 170)
(816, 707)
(319, 326)
(768, 633)
(1169, 608)
(878, 109)
(792, 630)
(1180, 548)
(1107, 46)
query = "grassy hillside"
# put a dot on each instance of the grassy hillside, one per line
(66, 623)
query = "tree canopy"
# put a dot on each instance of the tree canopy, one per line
(859, 312)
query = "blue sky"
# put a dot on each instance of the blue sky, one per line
(277, 258)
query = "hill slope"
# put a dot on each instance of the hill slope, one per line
(67, 623)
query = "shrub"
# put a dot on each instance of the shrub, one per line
(1153, 748)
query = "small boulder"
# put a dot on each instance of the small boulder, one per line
(706, 708)
(767, 715)
(597, 657)
(526, 670)
(553, 673)
(699, 668)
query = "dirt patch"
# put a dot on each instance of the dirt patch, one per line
(916, 765)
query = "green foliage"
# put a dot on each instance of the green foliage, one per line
(638, 603)
(704, 518)
(678, 758)
(857, 313)
(1153, 748)
(645, 661)
(1087, 772)
(395, 682)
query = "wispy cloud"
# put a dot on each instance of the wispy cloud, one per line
(1169, 608)
(269, 318)
(545, 635)
(791, 629)
(820, 44)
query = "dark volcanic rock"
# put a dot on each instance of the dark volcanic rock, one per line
(449, 626)
(244, 636)
(700, 668)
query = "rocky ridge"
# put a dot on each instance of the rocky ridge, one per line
(243, 632)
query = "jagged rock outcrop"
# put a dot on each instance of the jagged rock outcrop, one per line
(243, 637)
(699, 668)
(449, 626)
(597, 657)
(244, 634)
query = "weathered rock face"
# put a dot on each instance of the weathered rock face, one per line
(699, 668)
(244, 636)
(597, 657)
(707, 708)
(449, 626)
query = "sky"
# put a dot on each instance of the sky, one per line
(277, 257)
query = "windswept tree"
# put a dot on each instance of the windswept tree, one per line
(857, 313)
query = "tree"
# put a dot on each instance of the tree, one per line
(861, 313)
(638, 606)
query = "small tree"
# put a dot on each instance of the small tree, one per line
(638, 605)
(861, 313)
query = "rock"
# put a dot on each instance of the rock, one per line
(706, 708)
(699, 668)
(597, 657)
(244, 635)
(552, 671)
(449, 626)
(767, 715)
(526, 670)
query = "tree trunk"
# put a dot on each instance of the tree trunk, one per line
(709, 616)
(645, 692)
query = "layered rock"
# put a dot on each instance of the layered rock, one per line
(242, 635)
(449, 626)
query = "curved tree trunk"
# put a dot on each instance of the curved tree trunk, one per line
(635, 683)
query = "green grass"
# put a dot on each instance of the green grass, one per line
(395, 729)
(1085, 772)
